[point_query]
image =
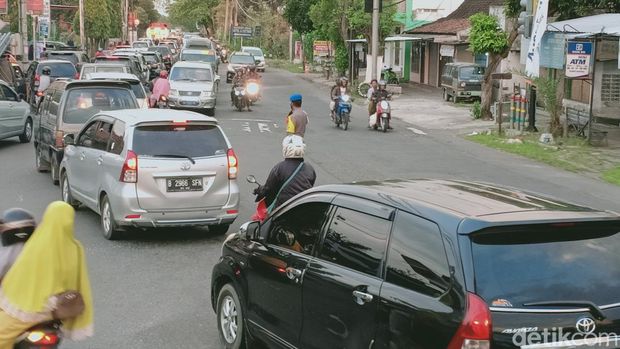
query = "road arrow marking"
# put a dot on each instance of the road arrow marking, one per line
(246, 127)
(263, 127)
(416, 131)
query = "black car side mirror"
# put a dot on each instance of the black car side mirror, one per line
(69, 139)
(249, 230)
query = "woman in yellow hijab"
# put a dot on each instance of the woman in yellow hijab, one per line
(51, 262)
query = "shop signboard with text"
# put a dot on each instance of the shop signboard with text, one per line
(578, 59)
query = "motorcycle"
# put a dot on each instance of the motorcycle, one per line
(261, 207)
(240, 97)
(44, 335)
(381, 119)
(389, 75)
(252, 88)
(224, 56)
(162, 103)
(343, 111)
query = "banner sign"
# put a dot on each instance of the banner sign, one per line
(34, 7)
(552, 50)
(322, 48)
(578, 59)
(532, 63)
(242, 32)
(3, 7)
(446, 50)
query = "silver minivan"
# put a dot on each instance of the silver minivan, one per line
(152, 168)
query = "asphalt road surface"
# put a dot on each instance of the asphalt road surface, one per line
(152, 289)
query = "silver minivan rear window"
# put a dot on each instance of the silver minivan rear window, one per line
(182, 140)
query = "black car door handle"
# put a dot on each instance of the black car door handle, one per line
(293, 274)
(362, 298)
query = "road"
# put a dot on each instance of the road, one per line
(152, 289)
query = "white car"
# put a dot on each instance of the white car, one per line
(258, 56)
(193, 85)
(141, 45)
(134, 81)
(90, 68)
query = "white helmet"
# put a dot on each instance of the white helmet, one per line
(293, 147)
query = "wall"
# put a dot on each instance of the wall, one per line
(462, 53)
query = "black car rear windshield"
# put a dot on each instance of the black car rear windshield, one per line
(183, 140)
(83, 103)
(560, 263)
(63, 70)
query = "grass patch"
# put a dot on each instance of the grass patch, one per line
(286, 65)
(612, 175)
(571, 154)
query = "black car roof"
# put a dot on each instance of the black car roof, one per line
(471, 205)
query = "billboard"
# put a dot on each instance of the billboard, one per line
(578, 59)
(322, 48)
(3, 7)
(35, 7)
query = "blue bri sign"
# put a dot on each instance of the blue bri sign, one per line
(578, 57)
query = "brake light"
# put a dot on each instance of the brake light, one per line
(232, 211)
(233, 164)
(58, 139)
(475, 330)
(129, 173)
(175, 122)
(42, 338)
(133, 216)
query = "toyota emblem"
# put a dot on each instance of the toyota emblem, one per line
(585, 325)
(186, 166)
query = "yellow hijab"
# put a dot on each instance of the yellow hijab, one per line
(51, 262)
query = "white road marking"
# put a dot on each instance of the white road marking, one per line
(263, 127)
(276, 126)
(246, 127)
(251, 120)
(416, 131)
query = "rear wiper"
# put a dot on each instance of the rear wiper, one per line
(176, 156)
(594, 309)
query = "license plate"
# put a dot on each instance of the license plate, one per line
(189, 103)
(184, 184)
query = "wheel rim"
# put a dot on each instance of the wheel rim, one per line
(106, 217)
(28, 130)
(228, 319)
(65, 190)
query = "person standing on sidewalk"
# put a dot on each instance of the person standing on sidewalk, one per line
(297, 118)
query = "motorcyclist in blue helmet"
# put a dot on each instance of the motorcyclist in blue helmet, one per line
(297, 118)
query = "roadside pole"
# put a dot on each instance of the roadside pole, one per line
(375, 37)
(23, 29)
(82, 34)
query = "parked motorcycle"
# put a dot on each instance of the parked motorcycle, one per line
(389, 75)
(44, 335)
(343, 111)
(261, 207)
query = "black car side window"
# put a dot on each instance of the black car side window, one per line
(87, 137)
(356, 240)
(299, 229)
(417, 258)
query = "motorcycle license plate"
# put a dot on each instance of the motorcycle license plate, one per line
(184, 184)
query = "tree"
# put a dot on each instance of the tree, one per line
(188, 13)
(97, 22)
(296, 13)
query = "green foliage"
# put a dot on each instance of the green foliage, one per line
(548, 89)
(486, 35)
(512, 8)
(189, 12)
(296, 13)
(342, 58)
(476, 110)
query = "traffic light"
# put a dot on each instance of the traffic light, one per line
(368, 6)
(525, 20)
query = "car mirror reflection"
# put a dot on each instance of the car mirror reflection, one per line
(249, 230)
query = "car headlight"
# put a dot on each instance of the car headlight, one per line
(173, 93)
(463, 84)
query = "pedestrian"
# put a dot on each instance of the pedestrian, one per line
(52, 263)
(297, 119)
(374, 86)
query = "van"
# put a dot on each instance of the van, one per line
(462, 81)
(65, 108)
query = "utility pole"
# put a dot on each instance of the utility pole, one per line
(124, 35)
(82, 34)
(235, 13)
(375, 37)
(23, 29)
(226, 23)
(290, 44)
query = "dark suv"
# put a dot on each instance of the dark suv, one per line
(427, 264)
(60, 69)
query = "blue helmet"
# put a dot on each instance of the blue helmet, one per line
(295, 97)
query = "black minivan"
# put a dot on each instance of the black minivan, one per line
(430, 264)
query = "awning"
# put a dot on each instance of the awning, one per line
(606, 24)
(402, 38)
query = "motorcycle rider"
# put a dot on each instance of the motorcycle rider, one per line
(161, 87)
(16, 226)
(238, 80)
(297, 119)
(51, 262)
(374, 86)
(340, 89)
(289, 177)
(252, 74)
(379, 95)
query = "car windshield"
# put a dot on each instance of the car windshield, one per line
(69, 57)
(83, 103)
(540, 265)
(191, 140)
(151, 58)
(471, 73)
(190, 74)
(161, 49)
(104, 69)
(198, 57)
(254, 52)
(242, 59)
(65, 70)
(199, 44)
(140, 45)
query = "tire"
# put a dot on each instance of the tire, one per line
(393, 80)
(230, 321)
(383, 125)
(345, 123)
(40, 164)
(219, 229)
(362, 89)
(26, 136)
(54, 169)
(108, 225)
(445, 95)
(239, 105)
(65, 191)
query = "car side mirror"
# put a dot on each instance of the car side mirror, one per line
(69, 139)
(251, 179)
(21, 97)
(249, 230)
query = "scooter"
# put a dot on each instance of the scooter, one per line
(389, 75)
(162, 103)
(343, 111)
(240, 98)
(383, 115)
(44, 335)
(261, 207)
